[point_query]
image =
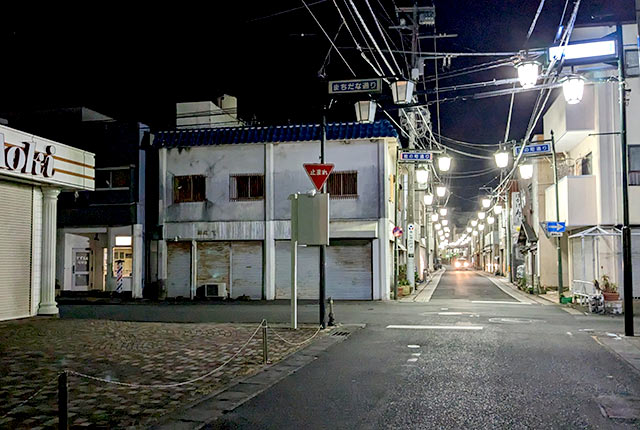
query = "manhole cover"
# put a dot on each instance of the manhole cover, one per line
(513, 320)
(619, 407)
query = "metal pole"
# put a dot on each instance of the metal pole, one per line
(508, 239)
(63, 401)
(558, 244)
(294, 261)
(395, 224)
(265, 348)
(627, 269)
(321, 300)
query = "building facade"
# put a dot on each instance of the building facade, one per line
(225, 213)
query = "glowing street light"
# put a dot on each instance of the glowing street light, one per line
(422, 176)
(444, 163)
(526, 170)
(441, 191)
(502, 158)
(437, 226)
(474, 223)
(573, 89)
(428, 199)
(497, 209)
(445, 221)
(475, 232)
(481, 227)
(366, 111)
(486, 202)
(402, 92)
(469, 229)
(434, 217)
(443, 211)
(481, 215)
(528, 72)
(490, 220)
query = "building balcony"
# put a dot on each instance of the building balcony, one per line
(571, 124)
(576, 195)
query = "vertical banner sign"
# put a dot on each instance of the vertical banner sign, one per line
(516, 214)
(119, 281)
(411, 230)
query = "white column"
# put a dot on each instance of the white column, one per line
(137, 277)
(269, 225)
(48, 305)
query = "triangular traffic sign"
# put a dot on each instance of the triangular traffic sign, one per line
(318, 173)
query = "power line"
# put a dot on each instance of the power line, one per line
(285, 11)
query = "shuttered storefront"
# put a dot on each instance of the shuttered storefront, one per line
(246, 269)
(308, 271)
(213, 263)
(15, 250)
(349, 270)
(179, 269)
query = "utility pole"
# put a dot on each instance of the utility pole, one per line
(558, 243)
(322, 293)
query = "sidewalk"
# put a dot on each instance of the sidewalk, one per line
(424, 291)
(35, 350)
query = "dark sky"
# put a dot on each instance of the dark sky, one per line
(136, 64)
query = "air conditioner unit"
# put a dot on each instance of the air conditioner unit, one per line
(215, 290)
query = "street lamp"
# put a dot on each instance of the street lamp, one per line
(365, 111)
(428, 199)
(445, 221)
(443, 211)
(446, 229)
(490, 220)
(502, 158)
(526, 170)
(481, 227)
(486, 202)
(528, 72)
(441, 191)
(469, 229)
(437, 226)
(474, 223)
(497, 209)
(573, 88)
(422, 176)
(402, 92)
(481, 215)
(475, 232)
(434, 217)
(444, 163)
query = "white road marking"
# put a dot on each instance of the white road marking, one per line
(449, 313)
(444, 309)
(508, 291)
(416, 354)
(437, 327)
(412, 360)
(498, 302)
(569, 333)
(413, 346)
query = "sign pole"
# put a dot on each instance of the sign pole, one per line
(294, 261)
(558, 248)
(323, 138)
(395, 224)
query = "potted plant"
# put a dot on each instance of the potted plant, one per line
(608, 288)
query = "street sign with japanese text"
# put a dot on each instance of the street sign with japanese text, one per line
(415, 156)
(538, 149)
(318, 173)
(352, 86)
(411, 229)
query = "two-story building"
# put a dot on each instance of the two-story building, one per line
(225, 213)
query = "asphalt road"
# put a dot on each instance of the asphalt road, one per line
(521, 370)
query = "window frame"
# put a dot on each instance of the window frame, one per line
(111, 170)
(634, 175)
(342, 174)
(192, 199)
(234, 184)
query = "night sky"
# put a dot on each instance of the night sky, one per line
(136, 64)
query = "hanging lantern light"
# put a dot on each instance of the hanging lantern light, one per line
(365, 111)
(422, 176)
(402, 92)
(526, 170)
(469, 229)
(486, 202)
(443, 211)
(475, 232)
(444, 163)
(474, 223)
(481, 227)
(441, 191)
(437, 226)
(434, 217)
(528, 72)
(490, 220)
(445, 221)
(573, 89)
(497, 209)
(428, 199)
(502, 158)
(481, 215)
(447, 229)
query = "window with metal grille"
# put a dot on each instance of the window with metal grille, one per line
(343, 185)
(246, 187)
(634, 164)
(189, 188)
(113, 178)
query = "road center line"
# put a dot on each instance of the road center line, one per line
(498, 302)
(437, 327)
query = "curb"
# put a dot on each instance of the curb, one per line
(205, 411)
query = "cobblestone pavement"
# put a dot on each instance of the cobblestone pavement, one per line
(34, 351)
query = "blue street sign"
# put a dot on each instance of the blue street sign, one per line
(531, 149)
(556, 227)
(416, 156)
(352, 86)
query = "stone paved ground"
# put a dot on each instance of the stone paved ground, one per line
(33, 351)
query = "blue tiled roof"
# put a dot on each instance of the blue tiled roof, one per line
(284, 133)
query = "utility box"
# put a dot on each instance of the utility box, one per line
(313, 219)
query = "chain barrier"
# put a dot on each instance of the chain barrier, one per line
(177, 384)
(294, 343)
(46, 384)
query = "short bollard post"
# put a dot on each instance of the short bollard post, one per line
(63, 401)
(265, 349)
(332, 320)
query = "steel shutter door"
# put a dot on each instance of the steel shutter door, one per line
(349, 271)
(246, 269)
(15, 250)
(308, 271)
(213, 263)
(179, 269)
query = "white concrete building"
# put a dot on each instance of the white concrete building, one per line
(33, 171)
(225, 213)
